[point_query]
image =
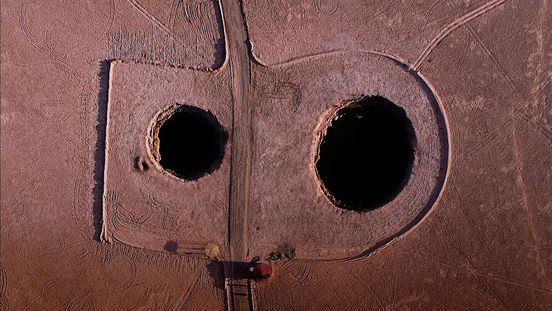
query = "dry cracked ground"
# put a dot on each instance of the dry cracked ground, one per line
(151, 149)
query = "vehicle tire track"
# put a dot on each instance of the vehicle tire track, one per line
(450, 28)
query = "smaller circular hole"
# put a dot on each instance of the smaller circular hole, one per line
(366, 154)
(188, 142)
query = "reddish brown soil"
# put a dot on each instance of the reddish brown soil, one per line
(90, 220)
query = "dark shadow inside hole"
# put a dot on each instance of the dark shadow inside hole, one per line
(191, 143)
(366, 155)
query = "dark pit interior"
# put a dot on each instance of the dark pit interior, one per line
(190, 143)
(366, 154)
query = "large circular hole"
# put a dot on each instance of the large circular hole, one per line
(366, 153)
(188, 142)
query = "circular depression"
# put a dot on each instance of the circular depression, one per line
(187, 141)
(366, 153)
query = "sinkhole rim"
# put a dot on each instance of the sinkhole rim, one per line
(365, 102)
(217, 144)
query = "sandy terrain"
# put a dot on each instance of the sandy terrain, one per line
(91, 221)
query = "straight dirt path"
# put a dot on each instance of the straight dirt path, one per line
(238, 291)
(240, 65)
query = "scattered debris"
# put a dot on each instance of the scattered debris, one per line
(283, 252)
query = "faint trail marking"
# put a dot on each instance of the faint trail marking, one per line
(384, 9)
(495, 61)
(540, 47)
(480, 272)
(524, 201)
(445, 32)
(186, 294)
(150, 17)
(3, 288)
(59, 60)
(469, 263)
(540, 80)
(538, 86)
